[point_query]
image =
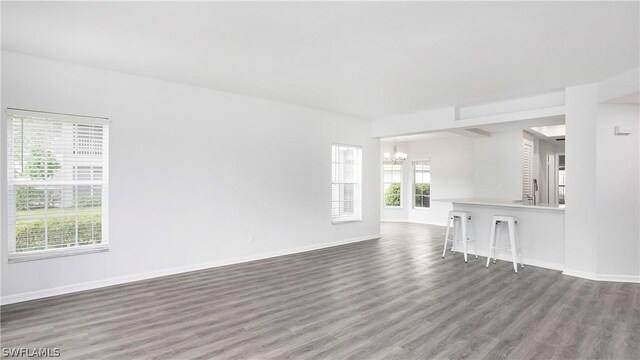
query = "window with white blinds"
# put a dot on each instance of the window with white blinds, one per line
(57, 184)
(527, 169)
(346, 183)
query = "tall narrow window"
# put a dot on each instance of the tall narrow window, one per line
(346, 183)
(392, 184)
(57, 184)
(422, 184)
(561, 179)
(527, 169)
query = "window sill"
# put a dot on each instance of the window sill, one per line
(338, 222)
(54, 253)
(393, 207)
(422, 208)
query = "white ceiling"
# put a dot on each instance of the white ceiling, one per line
(370, 59)
(419, 137)
(523, 124)
(633, 98)
(526, 125)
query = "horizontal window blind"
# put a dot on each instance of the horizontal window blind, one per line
(57, 182)
(527, 169)
(346, 183)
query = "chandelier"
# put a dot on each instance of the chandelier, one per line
(396, 156)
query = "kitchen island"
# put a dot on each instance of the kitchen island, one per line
(540, 229)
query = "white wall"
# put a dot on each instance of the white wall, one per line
(455, 117)
(580, 256)
(618, 194)
(452, 169)
(193, 173)
(461, 166)
(540, 234)
(602, 238)
(498, 166)
(602, 234)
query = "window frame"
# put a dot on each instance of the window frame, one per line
(384, 183)
(562, 175)
(14, 255)
(357, 204)
(413, 188)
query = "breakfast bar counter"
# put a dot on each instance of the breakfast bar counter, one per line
(504, 203)
(540, 228)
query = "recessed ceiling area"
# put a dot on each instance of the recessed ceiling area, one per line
(551, 131)
(419, 137)
(633, 98)
(548, 128)
(367, 59)
(527, 124)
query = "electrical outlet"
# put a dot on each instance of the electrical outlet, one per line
(622, 130)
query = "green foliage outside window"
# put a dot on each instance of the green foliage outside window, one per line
(422, 195)
(423, 189)
(392, 195)
(60, 231)
(30, 234)
(41, 165)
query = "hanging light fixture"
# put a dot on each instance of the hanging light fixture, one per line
(396, 156)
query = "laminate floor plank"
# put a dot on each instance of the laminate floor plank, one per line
(392, 298)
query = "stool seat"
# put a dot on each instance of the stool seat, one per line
(459, 220)
(505, 218)
(511, 222)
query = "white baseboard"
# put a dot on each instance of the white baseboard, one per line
(603, 277)
(544, 264)
(67, 289)
(527, 261)
(412, 222)
(426, 222)
(568, 272)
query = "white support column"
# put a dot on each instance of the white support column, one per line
(580, 255)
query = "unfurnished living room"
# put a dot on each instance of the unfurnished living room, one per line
(320, 180)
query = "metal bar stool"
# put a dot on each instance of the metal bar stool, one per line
(459, 220)
(511, 223)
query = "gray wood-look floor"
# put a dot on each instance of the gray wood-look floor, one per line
(389, 298)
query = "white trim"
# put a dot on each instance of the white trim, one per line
(345, 221)
(527, 261)
(426, 222)
(57, 116)
(501, 203)
(543, 264)
(55, 253)
(32, 295)
(501, 257)
(602, 277)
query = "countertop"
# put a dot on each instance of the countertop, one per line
(504, 203)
